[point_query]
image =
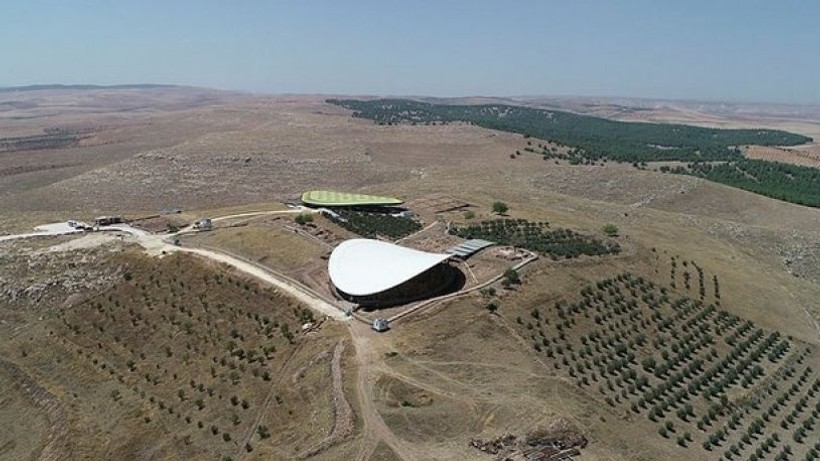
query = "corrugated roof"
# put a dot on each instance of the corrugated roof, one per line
(469, 247)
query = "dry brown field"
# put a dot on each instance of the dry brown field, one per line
(805, 156)
(97, 343)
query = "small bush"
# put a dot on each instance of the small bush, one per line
(611, 230)
(303, 218)
(500, 207)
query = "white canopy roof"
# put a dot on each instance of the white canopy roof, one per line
(361, 267)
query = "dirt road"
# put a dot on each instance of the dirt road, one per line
(367, 354)
(45, 229)
(158, 244)
(305, 297)
(253, 214)
(375, 429)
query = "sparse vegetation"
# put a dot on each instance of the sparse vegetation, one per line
(711, 153)
(190, 344)
(160, 352)
(596, 137)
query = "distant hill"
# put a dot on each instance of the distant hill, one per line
(591, 137)
(137, 86)
(711, 153)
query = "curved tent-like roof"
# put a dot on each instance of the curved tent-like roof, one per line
(331, 198)
(361, 267)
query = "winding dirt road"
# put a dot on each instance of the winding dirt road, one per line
(367, 356)
(375, 429)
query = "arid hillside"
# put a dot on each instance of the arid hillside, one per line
(673, 347)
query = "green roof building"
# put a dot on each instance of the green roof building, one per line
(325, 198)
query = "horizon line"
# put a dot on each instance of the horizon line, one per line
(149, 85)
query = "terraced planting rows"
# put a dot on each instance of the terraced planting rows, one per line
(709, 380)
(200, 351)
(52, 138)
(536, 236)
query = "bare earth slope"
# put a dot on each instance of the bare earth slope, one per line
(422, 391)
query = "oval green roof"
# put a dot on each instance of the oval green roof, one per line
(331, 198)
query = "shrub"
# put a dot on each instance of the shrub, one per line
(500, 207)
(512, 277)
(303, 218)
(611, 230)
(263, 431)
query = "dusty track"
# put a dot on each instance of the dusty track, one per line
(374, 426)
(342, 413)
(435, 301)
(375, 429)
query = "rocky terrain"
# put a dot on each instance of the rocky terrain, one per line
(111, 353)
(49, 274)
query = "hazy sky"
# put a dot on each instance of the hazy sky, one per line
(741, 50)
